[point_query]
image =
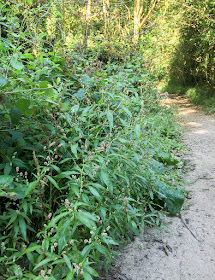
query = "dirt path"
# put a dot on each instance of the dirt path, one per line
(175, 254)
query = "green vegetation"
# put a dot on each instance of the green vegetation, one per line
(87, 149)
(180, 50)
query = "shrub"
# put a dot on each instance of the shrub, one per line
(83, 163)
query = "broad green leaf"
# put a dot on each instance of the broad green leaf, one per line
(102, 249)
(15, 115)
(65, 174)
(109, 114)
(70, 275)
(86, 250)
(27, 55)
(30, 187)
(22, 225)
(30, 276)
(49, 92)
(31, 258)
(23, 106)
(13, 218)
(91, 271)
(75, 108)
(16, 64)
(74, 149)
(16, 135)
(137, 130)
(94, 192)
(7, 168)
(18, 162)
(53, 182)
(3, 81)
(43, 262)
(87, 276)
(174, 199)
(81, 216)
(31, 249)
(45, 84)
(56, 219)
(103, 212)
(127, 111)
(106, 179)
(65, 160)
(67, 261)
(74, 188)
(6, 180)
(80, 93)
(109, 240)
(61, 243)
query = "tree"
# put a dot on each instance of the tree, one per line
(142, 12)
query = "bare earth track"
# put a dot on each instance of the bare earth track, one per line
(175, 254)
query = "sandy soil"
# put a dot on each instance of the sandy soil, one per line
(175, 254)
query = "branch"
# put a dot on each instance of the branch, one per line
(149, 12)
(31, 89)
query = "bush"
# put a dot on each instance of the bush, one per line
(83, 163)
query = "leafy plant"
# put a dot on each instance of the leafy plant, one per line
(81, 167)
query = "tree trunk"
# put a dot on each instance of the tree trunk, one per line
(106, 5)
(88, 19)
(138, 8)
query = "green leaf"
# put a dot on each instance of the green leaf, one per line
(6, 180)
(31, 249)
(23, 106)
(106, 179)
(18, 162)
(137, 130)
(53, 182)
(30, 187)
(109, 240)
(103, 212)
(174, 199)
(84, 219)
(74, 188)
(61, 243)
(87, 276)
(94, 192)
(16, 135)
(80, 93)
(86, 250)
(16, 64)
(3, 81)
(56, 219)
(22, 226)
(127, 111)
(74, 150)
(15, 115)
(7, 168)
(65, 160)
(27, 55)
(70, 275)
(65, 174)
(13, 218)
(91, 271)
(68, 263)
(102, 249)
(43, 262)
(109, 114)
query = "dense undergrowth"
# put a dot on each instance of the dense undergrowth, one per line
(87, 159)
